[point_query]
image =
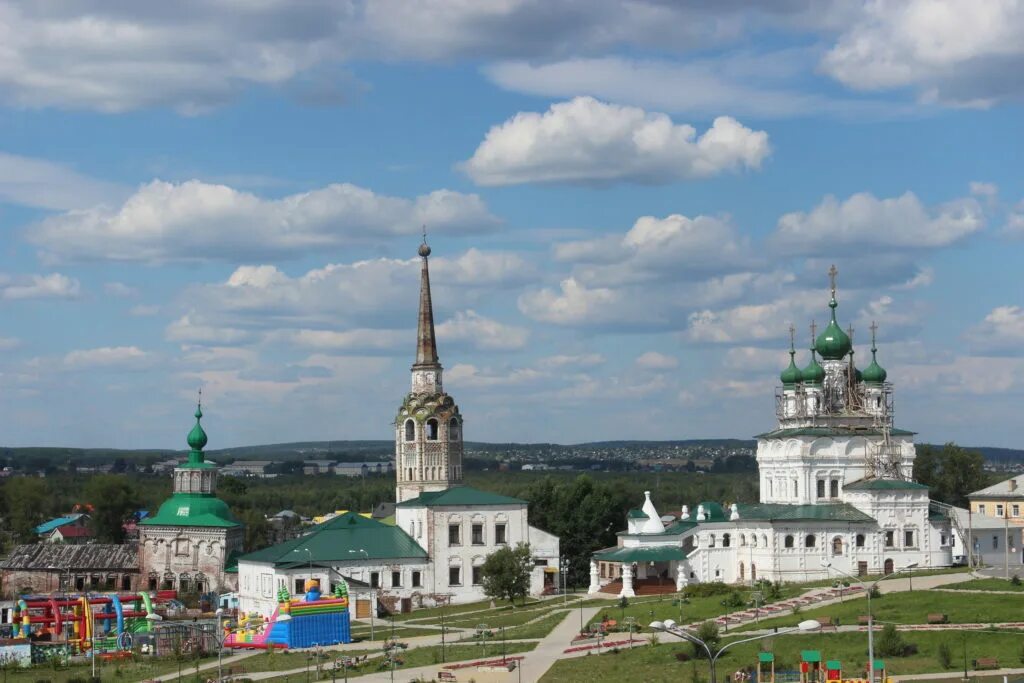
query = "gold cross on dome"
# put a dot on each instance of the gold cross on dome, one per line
(792, 336)
(814, 331)
(200, 396)
(874, 328)
(832, 272)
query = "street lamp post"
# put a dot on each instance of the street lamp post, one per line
(871, 624)
(220, 644)
(669, 626)
(361, 550)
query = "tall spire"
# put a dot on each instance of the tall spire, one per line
(426, 343)
(197, 437)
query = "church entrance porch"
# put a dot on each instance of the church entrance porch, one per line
(653, 570)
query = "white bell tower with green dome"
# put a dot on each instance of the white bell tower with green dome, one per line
(192, 539)
(428, 427)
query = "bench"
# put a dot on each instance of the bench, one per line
(863, 620)
(446, 676)
(986, 663)
(938, 618)
(828, 622)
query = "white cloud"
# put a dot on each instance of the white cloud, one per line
(144, 310)
(863, 220)
(470, 376)
(362, 340)
(471, 328)
(958, 52)
(52, 286)
(762, 84)
(1014, 226)
(197, 221)
(47, 185)
(752, 322)
(583, 360)
(8, 343)
(588, 141)
(120, 290)
(1002, 331)
(674, 247)
(186, 330)
(574, 304)
(652, 360)
(986, 190)
(107, 356)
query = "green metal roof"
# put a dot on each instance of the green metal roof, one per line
(672, 529)
(713, 512)
(883, 485)
(829, 431)
(779, 512)
(765, 657)
(637, 514)
(648, 554)
(810, 655)
(192, 509)
(833, 664)
(459, 495)
(342, 539)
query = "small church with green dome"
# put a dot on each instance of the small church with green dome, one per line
(189, 544)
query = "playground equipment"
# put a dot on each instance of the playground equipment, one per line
(812, 671)
(765, 667)
(810, 667)
(313, 620)
(106, 620)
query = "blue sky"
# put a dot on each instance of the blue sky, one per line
(629, 202)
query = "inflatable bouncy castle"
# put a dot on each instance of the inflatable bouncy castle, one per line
(313, 620)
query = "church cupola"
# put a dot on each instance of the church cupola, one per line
(813, 374)
(791, 376)
(874, 374)
(428, 427)
(833, 343)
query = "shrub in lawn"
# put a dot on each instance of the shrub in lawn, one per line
(945, 655)
(1015, 580)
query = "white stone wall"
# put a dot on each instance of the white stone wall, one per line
(167, 554)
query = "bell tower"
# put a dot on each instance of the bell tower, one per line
(428, 427)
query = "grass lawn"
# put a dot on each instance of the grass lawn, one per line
(986, 585)
(538, 629)
(382, 631)
(914, 608)
(433, 614)
(697, 609)
(658, 663)
(142, 669)
(505, 618)
(424, 656)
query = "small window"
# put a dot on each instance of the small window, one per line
(908, 539)
(981, 509)
(809, 541)
(942, 539)
(995, 543)
(743, 540)
(999, 510)
(181, 547)
(789, 541)
(410, 430)
(499, 534)
(454, 535)
(821, 488)
(396, 579)
(837, 546)
(454, 576)
(1015, 511)
(478, 534)
(833, 488)
(151, 583)
(299, 586)
(711, 541)
(860, 540)
(453, 429)
(417, 580)
(478, 574)
(726, 540)
(753, 540)
(374, 579)
(432, 429)
(890, 539)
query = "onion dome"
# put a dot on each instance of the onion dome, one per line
(197, 437)
(813, 374)
(791, 376)
(833, 343)
(874, 373)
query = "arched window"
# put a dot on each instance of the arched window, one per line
(837, 546)
(764, 540)
(743, 540)
(453, 429)
(432, 429)
(860, 540)
(753, 540)
(410, 430)
(789, 541)
(726, 540)
(711, 541)
(809, 541)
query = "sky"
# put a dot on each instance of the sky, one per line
(629, 202)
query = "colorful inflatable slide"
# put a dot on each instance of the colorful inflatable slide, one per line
(312, 621)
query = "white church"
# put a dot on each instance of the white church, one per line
(443, 530)
(835, 488)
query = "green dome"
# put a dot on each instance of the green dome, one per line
(197, 437)
(874, 373)
(833, 343)
(193, 509)
(791, 375)
(813, 373)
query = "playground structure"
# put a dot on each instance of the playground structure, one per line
(85, 621)
(311, 621)
(812, 670)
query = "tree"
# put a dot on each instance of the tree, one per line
(27, 504)
(708, 632)
(890, 643)
(114, 500)
(951, 472)
(506, 572)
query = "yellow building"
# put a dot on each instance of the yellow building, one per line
(1004, 500)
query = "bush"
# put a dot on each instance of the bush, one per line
(708, 632)
(1020, 655)
(875, 593)
(734, 599)
(891, 644)
(945, 655)
(706, 590)
(1015, 580)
